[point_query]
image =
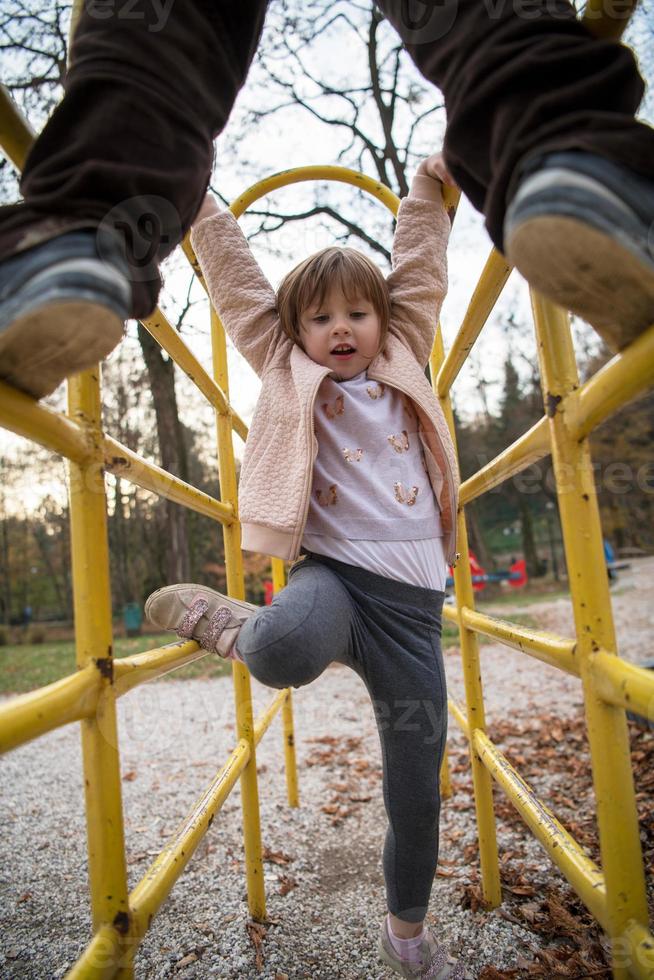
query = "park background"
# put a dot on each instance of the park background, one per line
(330, 85)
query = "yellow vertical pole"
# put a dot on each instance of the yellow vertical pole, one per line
(292, 794)
(617, 818)
(93, 638)
(241, 676)
(481, 779)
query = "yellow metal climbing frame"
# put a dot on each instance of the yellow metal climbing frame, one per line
(614, 893)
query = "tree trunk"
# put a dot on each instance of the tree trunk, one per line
(6, 587)
(41, 538)
(534, 568)
(120, 546)
(476, 539)
(172, 449)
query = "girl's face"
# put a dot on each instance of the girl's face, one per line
(341, 324)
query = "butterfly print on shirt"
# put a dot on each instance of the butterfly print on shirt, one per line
(403, 496)
(337, 407)
(352, 455)
(376, 391)
(330, 499)
(400, 443)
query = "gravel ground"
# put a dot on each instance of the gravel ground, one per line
(324, 884)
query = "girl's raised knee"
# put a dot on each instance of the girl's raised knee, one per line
(275, 668)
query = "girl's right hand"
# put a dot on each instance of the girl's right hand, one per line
(208, 207)
(434, 166)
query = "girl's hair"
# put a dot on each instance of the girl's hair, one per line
(311, 280)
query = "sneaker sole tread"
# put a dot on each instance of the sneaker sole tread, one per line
(552, 253)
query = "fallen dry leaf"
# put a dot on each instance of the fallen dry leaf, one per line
(276, 857)
(186, 960)
(286, 884)
(257, 933)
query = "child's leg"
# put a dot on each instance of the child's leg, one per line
(410, 700)
(397, 647)
(309, 624)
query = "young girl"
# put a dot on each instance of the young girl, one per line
(349, 467)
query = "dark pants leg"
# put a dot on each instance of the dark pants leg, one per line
(131, 143)
(389, 633)
(521, 77)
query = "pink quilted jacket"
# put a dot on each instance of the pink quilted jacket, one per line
(275, 480)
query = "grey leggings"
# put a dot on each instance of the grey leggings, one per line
(389, 633)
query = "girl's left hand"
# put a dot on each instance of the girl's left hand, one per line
(434, 166)
(208, 207)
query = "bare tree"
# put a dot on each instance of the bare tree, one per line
(372, 100)
(34, 38)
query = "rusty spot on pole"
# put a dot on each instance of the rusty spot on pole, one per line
(551, 402)
(106, 666)
(121, 923)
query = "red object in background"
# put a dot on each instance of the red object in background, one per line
(476, 569)
(268, 592)
(521, 568)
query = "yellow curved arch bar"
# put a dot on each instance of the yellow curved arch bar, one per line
(299, 175)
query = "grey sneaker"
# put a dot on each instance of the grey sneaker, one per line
(436, 963)
(62, 309)
(194, 612)
(580, 229)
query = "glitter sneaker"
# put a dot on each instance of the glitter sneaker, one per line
(197, 613)
(435, 962)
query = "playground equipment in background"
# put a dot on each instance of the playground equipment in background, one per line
(516, 575)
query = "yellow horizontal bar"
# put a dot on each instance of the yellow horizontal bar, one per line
(140, 668)
(459, 715)
(16, 134)
(582, 873)
(74, 697)
(490, 285)
(622, 683)
(451, 613)
(603, 22)
(102, 957)
(548, 647)
(157, 882)
(530, 447)
(263, 721)
(153, 888)
(28, 418)
(300, 174)
(122, 461)
(30, 715)
(624, 377)
(168, 338)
